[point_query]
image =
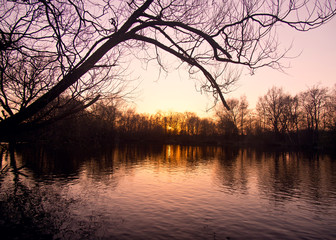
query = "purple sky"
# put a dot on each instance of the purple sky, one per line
(315, 65)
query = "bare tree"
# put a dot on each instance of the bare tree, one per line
(331, 109)
(243, 114)
(313, 104)
(273, 109)
(237, 115)
(85, 41)
(231, 115)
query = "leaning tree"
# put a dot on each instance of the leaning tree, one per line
(77, 48)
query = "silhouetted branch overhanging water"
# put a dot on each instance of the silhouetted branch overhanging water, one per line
(76, 41)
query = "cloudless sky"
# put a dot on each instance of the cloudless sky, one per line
(315, 64)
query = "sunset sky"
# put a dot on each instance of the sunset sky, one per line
(315, 64)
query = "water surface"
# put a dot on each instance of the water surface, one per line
(168, 192)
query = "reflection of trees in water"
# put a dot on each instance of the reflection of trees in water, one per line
(231, 172)
(27, 214)
(296, 175)
(33, 209)
(47, 161)
(319, 178)
(4, 160)
(168, 156)
(34, 203)
(70, 162)
(38, 204)
(278, 176)
(108, 165)
(39, 212)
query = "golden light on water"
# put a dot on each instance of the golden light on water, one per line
(182, 192)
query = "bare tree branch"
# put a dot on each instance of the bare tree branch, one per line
(71, 46)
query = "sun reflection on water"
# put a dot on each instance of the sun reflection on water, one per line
(181, 192)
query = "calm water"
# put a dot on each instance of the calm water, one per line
(167, 192)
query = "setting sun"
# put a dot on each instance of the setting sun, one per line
(167, 119)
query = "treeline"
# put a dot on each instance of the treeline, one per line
(108, 124)
(306, 119)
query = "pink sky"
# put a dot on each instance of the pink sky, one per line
(315, 65)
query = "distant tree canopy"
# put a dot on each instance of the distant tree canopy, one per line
(279, 119)
(53, 52)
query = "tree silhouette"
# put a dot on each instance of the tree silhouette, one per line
(85, 43)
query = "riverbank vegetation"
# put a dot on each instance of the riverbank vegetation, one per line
(307, 119)
(58, 58)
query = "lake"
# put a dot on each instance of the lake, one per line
(167, 192)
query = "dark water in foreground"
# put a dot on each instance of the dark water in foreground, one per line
(167, 192)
